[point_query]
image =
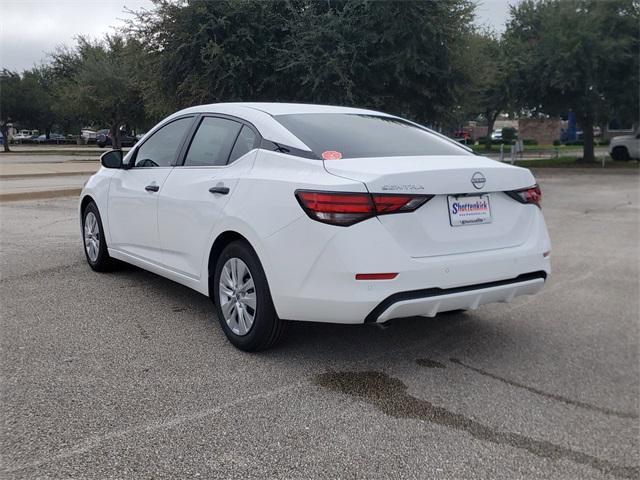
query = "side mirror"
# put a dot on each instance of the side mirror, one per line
(112, 159)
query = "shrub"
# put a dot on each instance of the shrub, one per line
(509, 134)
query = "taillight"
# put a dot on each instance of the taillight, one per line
(346, 208)
(527, 195)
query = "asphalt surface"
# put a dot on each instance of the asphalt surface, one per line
(128, 375)
(22, 158)
(39, 184)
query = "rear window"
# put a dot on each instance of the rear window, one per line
(357, 136)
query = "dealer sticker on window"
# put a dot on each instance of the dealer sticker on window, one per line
(469, 210)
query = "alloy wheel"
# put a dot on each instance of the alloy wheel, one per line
(237, 296)
(91, 236)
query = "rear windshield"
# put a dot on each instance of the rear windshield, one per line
(357, 136)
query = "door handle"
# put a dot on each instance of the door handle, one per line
(220, 190)
(152, 188)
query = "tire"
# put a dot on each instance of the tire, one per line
(101, 145)
(93, 238)
(259, 328)
(620, 154)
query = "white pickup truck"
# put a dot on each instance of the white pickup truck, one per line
(625, 147)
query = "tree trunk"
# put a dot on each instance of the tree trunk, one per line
(491, 120)
(586, 122)
(115, 136)
(5, 137)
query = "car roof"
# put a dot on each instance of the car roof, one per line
(284, 108)
(261, 116)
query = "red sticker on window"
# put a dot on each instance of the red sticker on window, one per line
(331, 155)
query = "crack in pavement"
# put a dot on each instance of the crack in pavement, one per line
(389, 395)
(94, 442)
(552, 396)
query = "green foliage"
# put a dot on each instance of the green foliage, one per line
(97, 84)
(576, 54)
(205, 52)
(419, 59)
(486, 79)
(399, 57)
(24, 101)
(395, 56)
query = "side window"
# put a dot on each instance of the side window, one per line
(161, 149)
(212, 142)
(246, 142)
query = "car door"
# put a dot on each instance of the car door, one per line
(196, 192)
(133, 192)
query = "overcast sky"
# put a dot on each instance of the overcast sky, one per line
(31, 28)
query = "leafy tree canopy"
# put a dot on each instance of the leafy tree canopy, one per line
(395, 56)
(581, 55)
(98, 83)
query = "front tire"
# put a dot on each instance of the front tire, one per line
(243, 301)
(95, 244)
(620, 154)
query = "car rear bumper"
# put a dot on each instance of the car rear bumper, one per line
(316, 281)
(429, 302)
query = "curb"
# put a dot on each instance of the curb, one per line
(19, 176)
(62, 192)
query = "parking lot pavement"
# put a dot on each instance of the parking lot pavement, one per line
(29, 158)
(29, 180)
(128, 375)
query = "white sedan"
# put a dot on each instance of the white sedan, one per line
(306, 212)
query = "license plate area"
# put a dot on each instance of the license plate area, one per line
(465, 210)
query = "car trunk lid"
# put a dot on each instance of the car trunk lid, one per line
(430, 231)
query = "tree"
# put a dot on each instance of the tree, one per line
(486, 90)
(203, 52)
(97, 84)
(395, 56)
(581, 55)
(9, 102)
(23, 100)
(37, 93)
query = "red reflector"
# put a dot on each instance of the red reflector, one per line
(376, 276)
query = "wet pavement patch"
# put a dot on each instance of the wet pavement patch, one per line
(390, 396)
(425, 362)
(552, 396)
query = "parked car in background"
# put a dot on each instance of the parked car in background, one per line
(625, 147)
(103, 138)
(319, 213)
(462, 136)
(88, 134)
(496, 135)
(53, 137)
(23, 135)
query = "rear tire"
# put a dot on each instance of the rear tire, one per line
(95, 244)
(620, 154)
(243, 300)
